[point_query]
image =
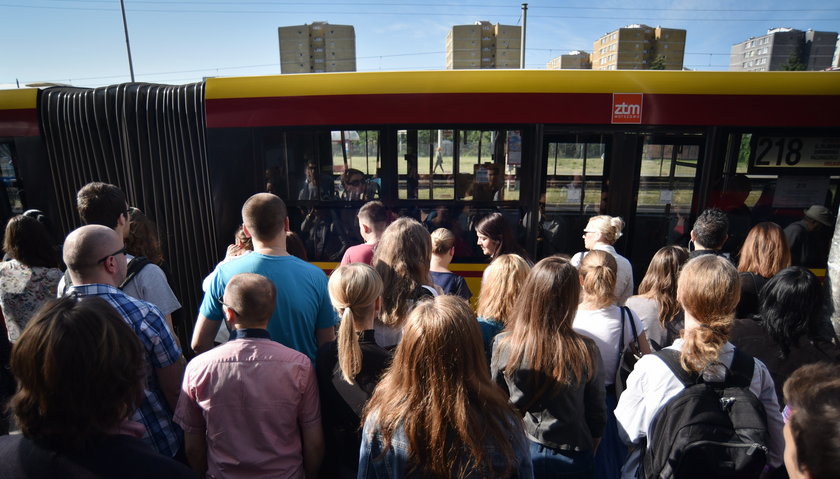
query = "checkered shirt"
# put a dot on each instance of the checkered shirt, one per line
(161, 350)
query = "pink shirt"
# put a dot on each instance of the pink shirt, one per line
(251, 398)
(361, 253)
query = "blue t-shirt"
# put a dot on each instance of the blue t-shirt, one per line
(452, 283)
(303, 303)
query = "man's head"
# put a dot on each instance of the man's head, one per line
(95, 254)
(264, 217)
(373, 219)
(711, 229)
(353, 181)
(249, 301)
(817, 216)
(103, 204)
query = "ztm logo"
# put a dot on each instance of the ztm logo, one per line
(627, 108)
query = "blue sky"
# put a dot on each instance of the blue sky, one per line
(180, 41)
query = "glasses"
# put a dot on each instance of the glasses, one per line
(115, 253)
(222, 302)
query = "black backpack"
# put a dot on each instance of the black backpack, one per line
(709, 429)
(136, 264)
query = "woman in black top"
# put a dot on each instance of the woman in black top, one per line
(765, 252)
(349, 369)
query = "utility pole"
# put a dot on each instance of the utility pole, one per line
(127, 43)
(524, 25)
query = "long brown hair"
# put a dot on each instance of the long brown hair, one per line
(709, 291)
(765, 251)
(439, 391)
(660, 281)
(599, 272)
(402, 258)
(542, 325)
(143, 238)
(501, 285)
(354, 289)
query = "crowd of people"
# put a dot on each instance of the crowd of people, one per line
(384, 369)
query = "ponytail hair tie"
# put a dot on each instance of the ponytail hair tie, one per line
(714, 330)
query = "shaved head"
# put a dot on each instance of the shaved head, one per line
(252, 296)
(85, 247)
(264, 214)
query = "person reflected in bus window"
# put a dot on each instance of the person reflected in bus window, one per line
(439, 160)
(495, 237)
(311, 189)
(487, 183)
(353, 185)
(803, 236)
(324, 237)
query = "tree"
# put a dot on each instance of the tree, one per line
(658, 63)
(794, 63)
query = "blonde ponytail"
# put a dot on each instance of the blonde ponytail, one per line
(598, 270)
(354, 289)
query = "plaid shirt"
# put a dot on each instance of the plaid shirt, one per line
(161, 350)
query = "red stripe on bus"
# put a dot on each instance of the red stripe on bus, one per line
(19, 122)
(513, 108)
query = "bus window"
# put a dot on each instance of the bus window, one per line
(355, 164)
(9, 177)
(478, 165)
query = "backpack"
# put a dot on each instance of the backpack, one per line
(709, 429)
(136, 264)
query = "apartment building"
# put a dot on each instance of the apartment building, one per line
(784, 48)
(574, 60)
(316, 48)
(483, 45)
(640, 47)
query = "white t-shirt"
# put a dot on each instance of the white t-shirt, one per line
(648, 311)
(652, 384)
(604, 327)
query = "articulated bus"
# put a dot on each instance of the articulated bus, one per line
(547, 149)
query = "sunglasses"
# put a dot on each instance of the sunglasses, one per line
(115, 253)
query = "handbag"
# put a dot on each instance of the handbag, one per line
(630, 354)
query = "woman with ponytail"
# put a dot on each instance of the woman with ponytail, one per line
(349, 369)
(599, 318)
(708, 289)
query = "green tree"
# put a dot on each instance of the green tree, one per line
(794, 64)
(658, 63)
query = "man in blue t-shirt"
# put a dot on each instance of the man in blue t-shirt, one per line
(304, 318)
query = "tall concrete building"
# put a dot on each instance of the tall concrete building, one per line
(783, 47)
(483, 45)
(317, 48)
(575, 60)
(640, 47)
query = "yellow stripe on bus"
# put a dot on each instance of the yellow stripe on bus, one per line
(517, 81)
(19, 99)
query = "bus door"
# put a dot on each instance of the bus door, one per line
(575, 167)
(667, 180)
(10, 193)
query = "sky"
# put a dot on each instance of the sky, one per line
(82, 43)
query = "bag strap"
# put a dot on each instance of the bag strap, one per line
(671, 358)
(136, 264)
(740, 373)
(352, 394)
(625, 309)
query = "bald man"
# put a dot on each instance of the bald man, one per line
(96, 263)
(250, 406)
(303, 318)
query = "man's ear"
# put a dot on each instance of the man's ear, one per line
(366, 228)
(286, 224)
(245, 231)
(691, 235)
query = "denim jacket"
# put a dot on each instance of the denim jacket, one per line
(394, 464)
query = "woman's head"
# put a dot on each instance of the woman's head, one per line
(709, 290)
(765, 251)
(541, 333)
(442, 241)
(143, 237)
(602, 229)
(438, 390)
(355, 291)
(28, 241)
(402, 258)
(660, 281)
(501, 285)
(495, 236)
(791, 305)
(80, 371)
(598, 271)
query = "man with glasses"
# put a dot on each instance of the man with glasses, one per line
(105, 204)
(96, 262)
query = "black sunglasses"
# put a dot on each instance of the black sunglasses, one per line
(120, 251)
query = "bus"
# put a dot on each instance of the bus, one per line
(547, 149)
